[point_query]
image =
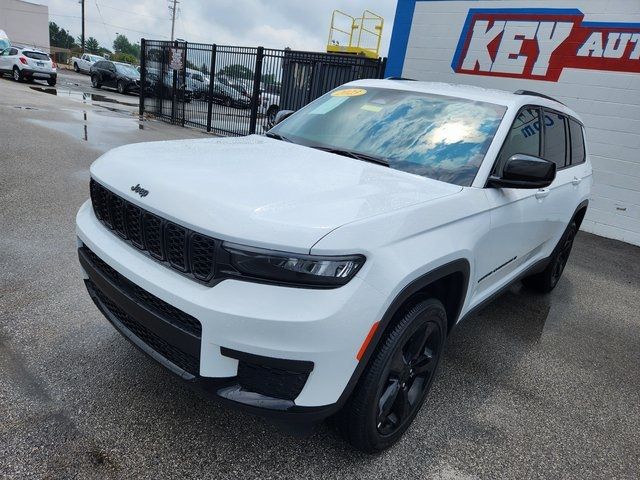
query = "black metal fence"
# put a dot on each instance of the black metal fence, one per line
(238, 90)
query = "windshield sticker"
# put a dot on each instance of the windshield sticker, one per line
(349, 92)
(371, 108)
(329, 105)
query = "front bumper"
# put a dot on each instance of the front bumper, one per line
(292, 327)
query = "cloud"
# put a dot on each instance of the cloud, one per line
(298, 24)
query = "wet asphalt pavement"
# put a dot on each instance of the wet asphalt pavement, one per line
(532, 387)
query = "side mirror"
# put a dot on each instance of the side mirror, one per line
(525, 171)
(282, 115)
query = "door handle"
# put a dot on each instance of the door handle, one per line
(543, 192)
(576, 181)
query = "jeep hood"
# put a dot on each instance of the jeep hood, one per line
(259, 191)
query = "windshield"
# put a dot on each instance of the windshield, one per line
(439, 137)
(127, 70)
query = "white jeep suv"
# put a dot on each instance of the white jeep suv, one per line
(318, 270)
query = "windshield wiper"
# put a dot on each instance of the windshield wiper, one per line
(351, 154)
(277, 136)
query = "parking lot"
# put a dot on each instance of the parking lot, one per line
(531, 387)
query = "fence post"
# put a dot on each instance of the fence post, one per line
(143, 74)
(382, 67)
(257, 79)
(184, 82)
(212, 77)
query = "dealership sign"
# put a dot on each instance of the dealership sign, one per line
(539, 43)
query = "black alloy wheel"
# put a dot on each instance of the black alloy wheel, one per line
(547, 280)
(562, 256)
(227, 102)
(95, 83)
(121, 87)
(408, 375)
(397, 379)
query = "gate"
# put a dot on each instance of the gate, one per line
(234, 90)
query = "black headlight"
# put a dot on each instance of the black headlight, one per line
(294, 268)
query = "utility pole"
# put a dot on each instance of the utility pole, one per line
(173, 17)
(82, 2)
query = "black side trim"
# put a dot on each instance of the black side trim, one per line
(497, 268)
(298, 366)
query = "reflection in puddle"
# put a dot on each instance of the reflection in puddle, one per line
(83, 96)
(95, 128)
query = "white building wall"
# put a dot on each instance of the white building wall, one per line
(608, 102)
(25, 23)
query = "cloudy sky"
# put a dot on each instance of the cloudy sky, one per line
(299, 24)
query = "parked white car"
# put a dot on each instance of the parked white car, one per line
(85, 62)
(25, 63)
(319, 269)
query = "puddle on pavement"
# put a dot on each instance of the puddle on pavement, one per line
(82, 96)
(98, 130)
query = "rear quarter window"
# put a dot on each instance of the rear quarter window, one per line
(578, 153)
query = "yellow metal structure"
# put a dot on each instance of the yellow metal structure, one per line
(355, 35)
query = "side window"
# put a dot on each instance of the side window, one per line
(524, 137)
(14, 51)
(555, 138)
(577, 142)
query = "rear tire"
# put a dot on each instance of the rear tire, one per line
(17, 74)
(547, 280)
(227, 102)
(397, 379)
(76, 68)
(95, 82)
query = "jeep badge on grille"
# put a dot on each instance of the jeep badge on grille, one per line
(139, 190)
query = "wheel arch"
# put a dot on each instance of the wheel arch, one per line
(580, 212)
(448, 283)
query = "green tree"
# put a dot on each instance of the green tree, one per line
(124, 58)
(59, 37)
(122, 45)
(92, 45)
(236, 71)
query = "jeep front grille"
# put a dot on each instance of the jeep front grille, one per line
(180, 248)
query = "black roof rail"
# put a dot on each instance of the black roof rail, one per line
(537, 94)
(401, 78)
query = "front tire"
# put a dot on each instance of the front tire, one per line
(397, 380)
(271, 114)
(51, 83)
(122, 89)
(76, 68)
(17, 74)
(547, 280)
(95, 82)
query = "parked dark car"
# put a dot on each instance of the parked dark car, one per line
(121, 76)
(229, 96)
